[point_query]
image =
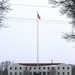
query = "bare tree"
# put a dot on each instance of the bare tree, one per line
(68, 8)
(52, 72)
(26, 72)
(4, 67)
(4, 8)
(73, 70)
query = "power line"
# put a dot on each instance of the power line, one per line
(39, 22)
(30, 20)
(23, 19)
(18, 18)
(29, 5)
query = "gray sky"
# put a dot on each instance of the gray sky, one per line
(18, 42)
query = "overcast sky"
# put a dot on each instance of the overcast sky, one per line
(18, 42)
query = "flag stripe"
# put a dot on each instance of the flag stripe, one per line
(38, 16)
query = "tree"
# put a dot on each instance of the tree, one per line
(4, 8)
(68, 8)
(26, 72)
(52, 71)
(4, 67)
(73, 70)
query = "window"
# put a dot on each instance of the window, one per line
(34, 68)
(10, 68)
(34, 73)
(39, 67)
(67, 67)
(58, 68)
(63, 73)
(68, 73)
(15, 73)
(44, 73)
(20, 73)
(30, 68)
(20, 68)
(63, 68)
(39, 73)
(15, 68)
(10, 73)
(48, 68)
(30, 73)
(52, 68)
(43, 67)
(26, 68)
(48, 73)
(58, 73)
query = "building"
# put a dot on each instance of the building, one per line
(42, 69)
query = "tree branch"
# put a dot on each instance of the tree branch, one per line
(73, 1)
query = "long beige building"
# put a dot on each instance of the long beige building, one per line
(42, 69)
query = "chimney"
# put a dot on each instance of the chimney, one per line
(51, 61)
(13, 62)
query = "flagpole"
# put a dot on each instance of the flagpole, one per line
(37, 43)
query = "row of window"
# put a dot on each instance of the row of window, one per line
(63, 68)
(39, 68)
(63, 73)
(16, 73)
(44, 73)
(15, 68)
(30, 68)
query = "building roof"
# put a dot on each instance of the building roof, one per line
(40, 64)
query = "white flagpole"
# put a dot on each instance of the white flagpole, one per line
(37, 44)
